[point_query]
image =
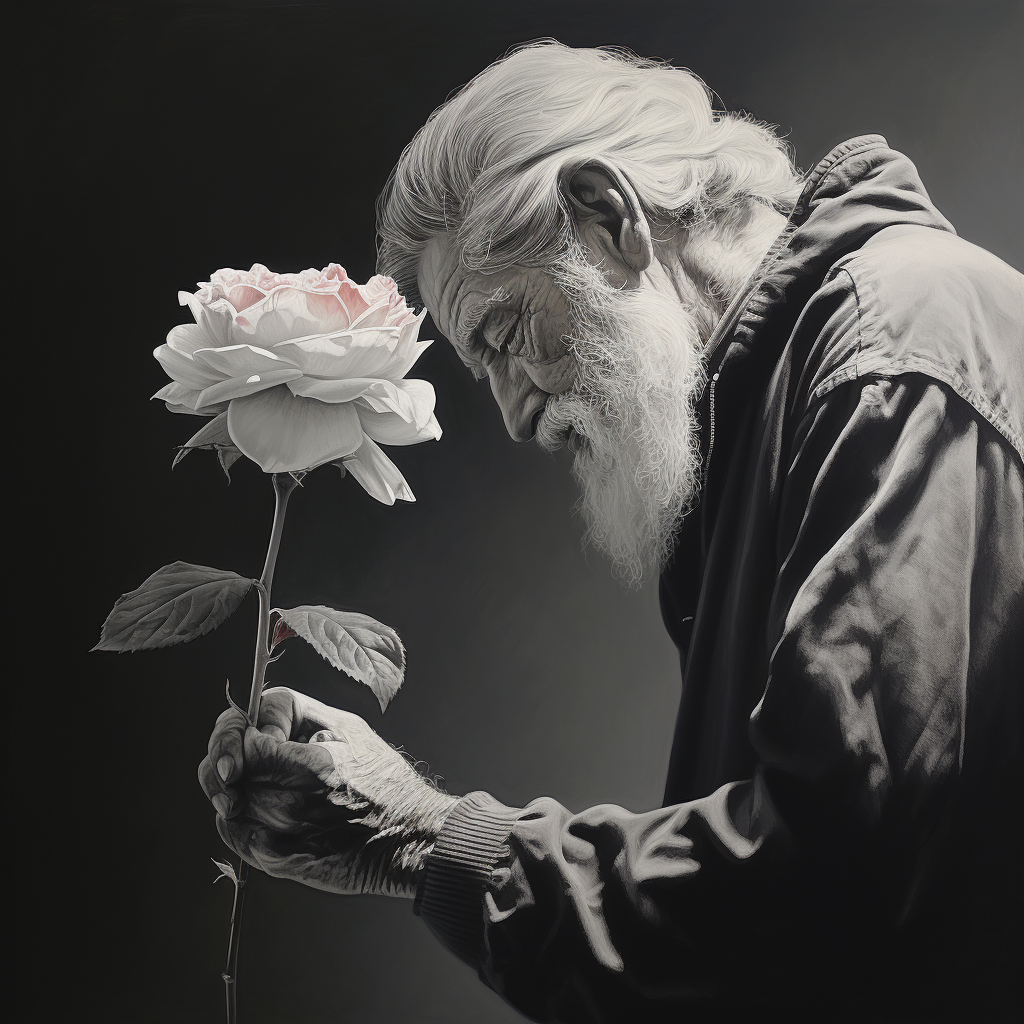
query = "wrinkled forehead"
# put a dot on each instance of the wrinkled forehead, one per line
(439, 277)
(456, 297)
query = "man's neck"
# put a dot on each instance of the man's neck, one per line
(719, 258)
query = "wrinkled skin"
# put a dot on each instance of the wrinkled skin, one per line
(508, 327)
(315, 795)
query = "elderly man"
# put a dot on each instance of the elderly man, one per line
(799, 400)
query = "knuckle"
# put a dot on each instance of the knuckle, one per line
(228, 717)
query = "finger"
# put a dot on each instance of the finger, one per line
(226, 802)
(225, 747)
(306, 715)
(256, 846)
(287, 763)
(277, 717)
(290, 811)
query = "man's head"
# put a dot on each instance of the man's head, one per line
(575, 221)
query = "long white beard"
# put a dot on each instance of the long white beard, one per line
(639, 371)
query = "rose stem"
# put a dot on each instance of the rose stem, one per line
(284, 484)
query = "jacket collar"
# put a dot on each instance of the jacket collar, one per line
(861, 187)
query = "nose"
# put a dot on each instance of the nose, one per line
(520, 400)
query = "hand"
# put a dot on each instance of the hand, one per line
(314, 794)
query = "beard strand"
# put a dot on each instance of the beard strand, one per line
(630, 414)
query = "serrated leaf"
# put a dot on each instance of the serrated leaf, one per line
(176, 604)
(226, 871)
(366, 649)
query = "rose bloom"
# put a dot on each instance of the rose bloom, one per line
(300, 370)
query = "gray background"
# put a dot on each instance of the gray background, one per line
(160, 142)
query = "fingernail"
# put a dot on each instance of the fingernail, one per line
(221, 804)
(224, 767)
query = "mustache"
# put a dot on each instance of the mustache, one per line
(561, 426)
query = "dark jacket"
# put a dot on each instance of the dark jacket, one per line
(841, 837)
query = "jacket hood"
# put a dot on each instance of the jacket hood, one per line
(861, 187)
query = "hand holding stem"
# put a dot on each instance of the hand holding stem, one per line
(284, 484)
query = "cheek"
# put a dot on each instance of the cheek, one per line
(554, 377)
(554, 369)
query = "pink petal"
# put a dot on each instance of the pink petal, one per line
(329, 311)
(375, 316)
(242, 296)
(285, 434)
(282, 315)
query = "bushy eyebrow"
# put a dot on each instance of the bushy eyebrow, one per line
(473, 314)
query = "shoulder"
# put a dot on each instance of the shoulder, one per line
(920, 300)
(910, 278)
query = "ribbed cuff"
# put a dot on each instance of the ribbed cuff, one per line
(468, 848)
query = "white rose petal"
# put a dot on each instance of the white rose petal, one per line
(239, 387)
(413, 400)
(186, 338)
(332, 390)
(184, 369)
(404, 359)
(344, 355)
(281, 315)
(285, 434)
(390, 428)
(216, 320)
(375, 316)
(378, 475)
(179, 398)
(241, 360)
(309, 367)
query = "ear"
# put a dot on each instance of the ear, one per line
(609, 218)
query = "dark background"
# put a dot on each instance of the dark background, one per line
(155, 143)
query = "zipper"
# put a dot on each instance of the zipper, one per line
(711, 424)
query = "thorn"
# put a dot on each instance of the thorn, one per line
(231, 703)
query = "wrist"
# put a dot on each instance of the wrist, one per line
(421, 831)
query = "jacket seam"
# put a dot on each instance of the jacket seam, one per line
(981, 405)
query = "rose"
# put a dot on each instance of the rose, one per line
(298, 370)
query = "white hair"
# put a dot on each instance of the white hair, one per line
(630, 412)
(489, 165)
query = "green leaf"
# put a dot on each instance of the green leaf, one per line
(176, 604)
(363, 647)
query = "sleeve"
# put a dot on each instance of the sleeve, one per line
(898, 500)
